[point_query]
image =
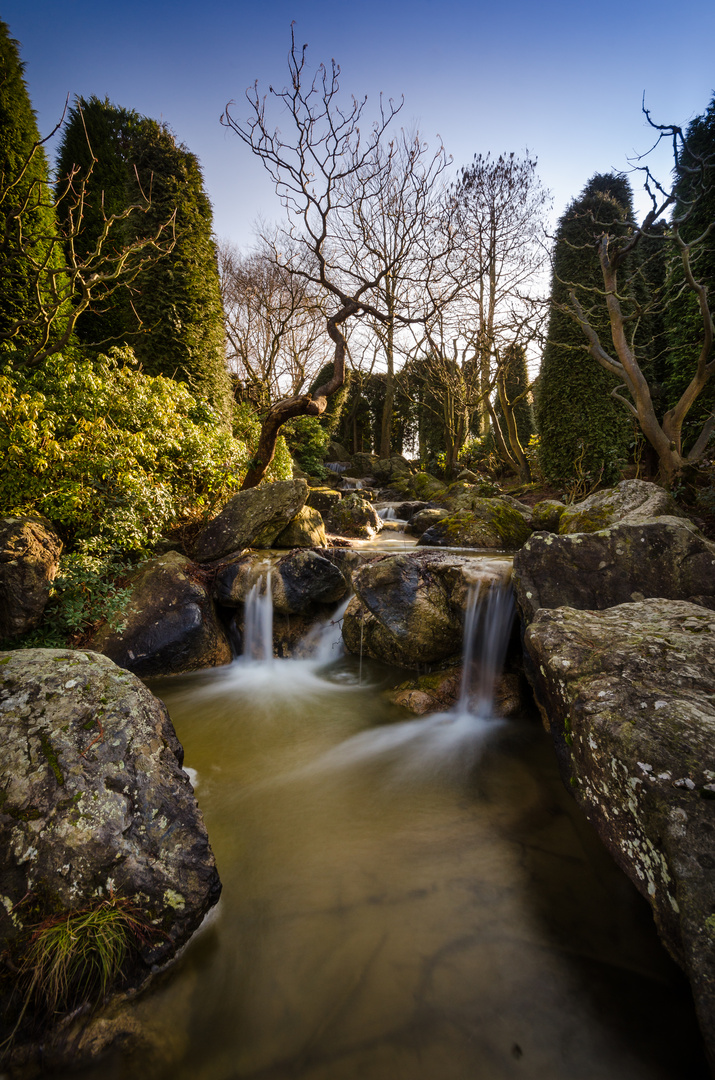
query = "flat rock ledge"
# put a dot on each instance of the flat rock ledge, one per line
(629, 696)
(94, 801)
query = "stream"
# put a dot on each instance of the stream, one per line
(403, 899)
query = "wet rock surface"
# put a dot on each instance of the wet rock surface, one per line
(94, 799)
(663, 557)
(299, 581)
(252, 518)
(628, 696)
(171, 623)
(29, 555)
(409, 610)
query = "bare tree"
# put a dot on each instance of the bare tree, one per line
(66, 282)
(500, 209)
(274, 322)
(328, 173)
(625, 313)
(398, 227)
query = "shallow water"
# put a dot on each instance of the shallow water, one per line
(402, 900)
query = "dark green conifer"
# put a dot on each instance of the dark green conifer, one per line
(171, 312)
(26, 205)
(583, 430)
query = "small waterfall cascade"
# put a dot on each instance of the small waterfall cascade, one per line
(258, 621)
(387, 513)
(324, 642)
(338, 467)
(487, 626)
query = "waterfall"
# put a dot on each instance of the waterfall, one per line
(387, 513)
(488, 623)
(258, 621)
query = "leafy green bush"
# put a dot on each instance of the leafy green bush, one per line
(85, 592)
(307, 439)
(110, 455)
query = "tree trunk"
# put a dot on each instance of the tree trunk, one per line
(301, 405)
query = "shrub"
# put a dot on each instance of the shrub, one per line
(110, 455)
(307, 439)
(86, 592)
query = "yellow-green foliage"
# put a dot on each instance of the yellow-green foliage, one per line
(111, 456)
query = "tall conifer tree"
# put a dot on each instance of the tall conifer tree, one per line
(25, 203)
(171, 313)
(581, 426)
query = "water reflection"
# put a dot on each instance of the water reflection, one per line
(403, 900)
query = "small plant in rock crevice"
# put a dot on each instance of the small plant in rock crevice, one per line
(76, 958)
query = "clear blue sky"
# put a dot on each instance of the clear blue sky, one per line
(563, 79)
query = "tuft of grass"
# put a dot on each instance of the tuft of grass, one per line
(78, 956)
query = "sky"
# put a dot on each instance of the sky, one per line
(563, 80)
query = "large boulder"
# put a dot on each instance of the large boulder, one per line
(306, 530)
(628, 696)
(29, 556)
(170, 622)
(362, 464)
(94, 800)
(252, 518)
(323, 499)
(489, 523)
(335, 451)
(354, 516)
(299, 581)
(387, 469)
(409, 610)
(419, 522)
(631, 501)
(421, 485)
(664, 557)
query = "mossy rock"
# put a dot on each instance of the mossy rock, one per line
(546, 515)
(306, 530)
(492, 524)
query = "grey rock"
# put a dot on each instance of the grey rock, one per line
(299, 581)
(323, 499)
(94, 797)
(335, 451)
(409, 610)
(628, 696)
(362, 464)
(665, 557)
(29, 556)
(489, 523)
(424, 519)
(546, 515)
(631, 501)
(305, 530)
(252, 518)
(170, 622)
(354, 516)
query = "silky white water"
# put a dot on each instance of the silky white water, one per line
(403, 899)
